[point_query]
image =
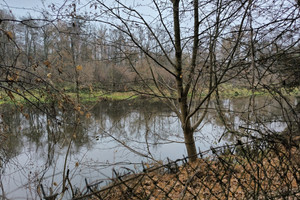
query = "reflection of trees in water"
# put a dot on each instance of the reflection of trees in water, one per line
(125, 120)
(35, 129)
(137, 122)
(131, 122)
(11, 143)
(257, 116)
(134, 121)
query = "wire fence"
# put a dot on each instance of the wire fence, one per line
(261, 169)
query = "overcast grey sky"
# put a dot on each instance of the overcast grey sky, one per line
(23, 7)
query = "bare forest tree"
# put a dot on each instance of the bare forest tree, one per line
(201, 45)
(181, 52)
(20, 57)
(186, 54)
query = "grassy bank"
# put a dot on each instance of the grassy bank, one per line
(87, 95)
(102, 95)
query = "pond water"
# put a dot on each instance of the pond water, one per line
(116, 134)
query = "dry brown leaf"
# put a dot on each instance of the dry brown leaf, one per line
(11, 96)
(9, 35)
(78, 67)
(47, 63)
(88, 115)
(26, 116)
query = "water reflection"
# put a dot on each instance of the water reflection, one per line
(34, 146)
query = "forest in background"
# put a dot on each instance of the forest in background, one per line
(183, 53)
(179, 52)
(76, 50)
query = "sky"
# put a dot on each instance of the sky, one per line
(23, 7)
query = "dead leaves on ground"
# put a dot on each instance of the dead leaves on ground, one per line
(224, 177)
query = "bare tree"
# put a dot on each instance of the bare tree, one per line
(184, 41)
(181, 52)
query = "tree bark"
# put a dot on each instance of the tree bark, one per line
(190, 143)
(182, 95)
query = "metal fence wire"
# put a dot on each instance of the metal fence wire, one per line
(260, 169)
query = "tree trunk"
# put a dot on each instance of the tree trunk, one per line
(190, 144)
(182, 95)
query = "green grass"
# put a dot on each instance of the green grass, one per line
(15, 98)
(101, 95)
(86, 95)
(229, 91)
